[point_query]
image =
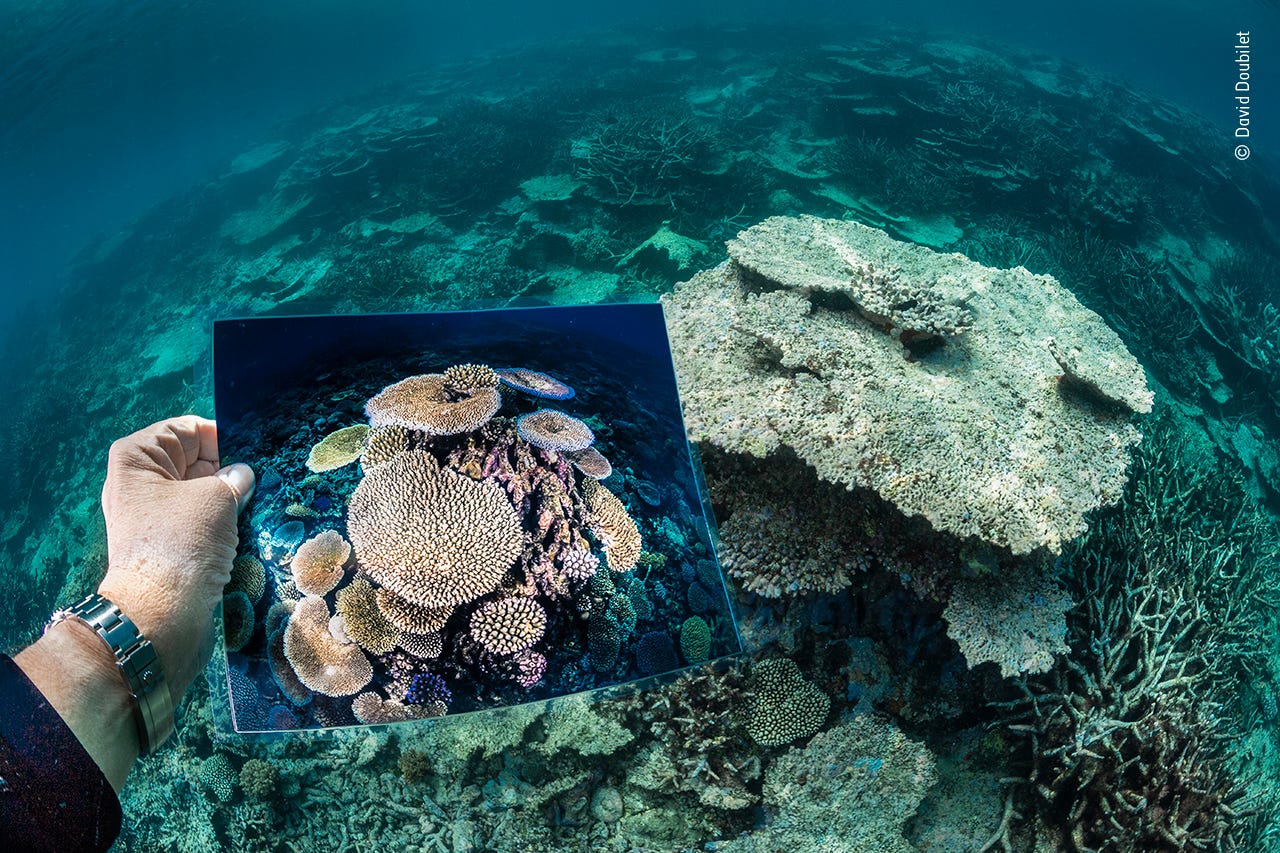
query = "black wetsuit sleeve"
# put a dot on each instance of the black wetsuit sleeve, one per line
(53, 796)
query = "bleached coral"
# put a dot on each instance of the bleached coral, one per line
(973, 432)
(1016, 619)
(876, 774)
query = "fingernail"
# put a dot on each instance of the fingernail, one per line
(239, 477)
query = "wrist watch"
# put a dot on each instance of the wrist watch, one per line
(136, 657)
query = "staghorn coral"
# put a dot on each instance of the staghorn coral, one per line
(249, 576)
(550, 429)
(618, 533)
(237, 620)
(592, 463)
(974, 435)
(338, 449)
(1130, 744)
(322, 663)
(317, 565)
(363, 620)
(786, 706)
(427, 403)
(1015, 619)
(534, 384)
(877, 775)
(508, 625)
(433, 537)
(409, 617)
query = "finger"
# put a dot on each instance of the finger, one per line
(202, 468)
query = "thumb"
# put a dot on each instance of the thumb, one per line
(240, 480)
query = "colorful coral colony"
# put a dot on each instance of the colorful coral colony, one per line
(474, 543)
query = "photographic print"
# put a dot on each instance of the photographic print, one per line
(458, 511)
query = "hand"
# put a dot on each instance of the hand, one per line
(171, 537)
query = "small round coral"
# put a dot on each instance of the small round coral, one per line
(259, 778)
(237, 620)
(317, 567)
(786, 707)
(465, 378)
(554, 430)
(428, 404)
(695, 639)
(248, 576)
(508, 625)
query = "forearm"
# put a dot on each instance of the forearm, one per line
(79, 677)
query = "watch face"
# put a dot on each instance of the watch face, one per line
(458, 512)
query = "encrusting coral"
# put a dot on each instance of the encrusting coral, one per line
(338, 449)
(430, 535)
(985, 433)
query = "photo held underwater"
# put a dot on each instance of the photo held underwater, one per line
(433, 534)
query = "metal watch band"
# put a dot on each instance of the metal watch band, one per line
(136, 657)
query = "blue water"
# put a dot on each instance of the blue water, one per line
(107, 108)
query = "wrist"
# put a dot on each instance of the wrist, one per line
(78, 675)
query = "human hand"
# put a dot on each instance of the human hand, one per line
(171, 537)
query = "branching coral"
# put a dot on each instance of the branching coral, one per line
(1126, 739)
